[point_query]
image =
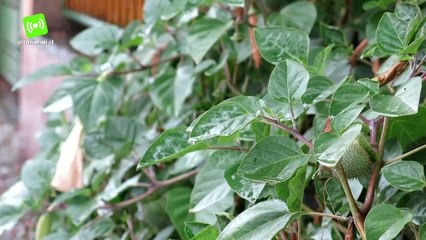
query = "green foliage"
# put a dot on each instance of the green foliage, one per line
(231, 119)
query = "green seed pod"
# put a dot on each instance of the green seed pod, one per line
(357, 161)
(44, 225)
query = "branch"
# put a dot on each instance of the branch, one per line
(376, 170)
(405, 155)
(358, 51)
(152, 188)
(394, 71)
(359, 219)
(177, 179)
(295, 134)
(140, 69)
(320, 214)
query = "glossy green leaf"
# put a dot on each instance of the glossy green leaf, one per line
(416, 202)
(262, 221)
(279, 43)
(407, 11)
(391, 34)
(203, 34)
(210, 184)
(226, 118)
(93, 41)
(273, 159)
(300, 15)
(347, 96)
(171, 144)
(288, 82)
(404, 102)
(177, 207)
(405, 175)
(385, 221)
(329, 147)
(245, 188)
(291, 191)
(344, 119)
(50, 70)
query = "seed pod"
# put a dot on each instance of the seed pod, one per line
(357, 161)
(44, 225)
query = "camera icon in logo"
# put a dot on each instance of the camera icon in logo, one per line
(35, 25)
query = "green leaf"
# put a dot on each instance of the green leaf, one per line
(203, 34)
(391, 34)
(279, 43)
(93, 99)
(245, 188)
(273, 159)
(36, 176)
(318, 89)
(50, 70)
(385, 221)
(169, 91)
(329, 147)
(291, 191)
(223, 219)
(332, 35)
(192, 228)
(422, 232)
(177, 207)
(226, 118)
(405, 101)
(79, 209)
(408, 129)
(208, 233)
(95, 230)
(405, 175)
(371, 85)
(210, 184)
(300, 15)
(94, 41)
(407, 11)
(9, 215)
(322, 59)
(288, 82)
(234, 2)
(344, 119)
(171, 144)
(416, 202)
(262, 221)
(347, 96)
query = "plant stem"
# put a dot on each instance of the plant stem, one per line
(237, 148)
(151, 189)
(320, 214)
(359, 219)
(295, 134)
(383, 138)
(405, 155)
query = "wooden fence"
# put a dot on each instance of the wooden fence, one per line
(119, 12)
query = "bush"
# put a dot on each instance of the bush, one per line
(209, 120)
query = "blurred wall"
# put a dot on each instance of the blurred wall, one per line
(33, 96)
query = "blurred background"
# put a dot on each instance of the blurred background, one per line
(21, 112)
